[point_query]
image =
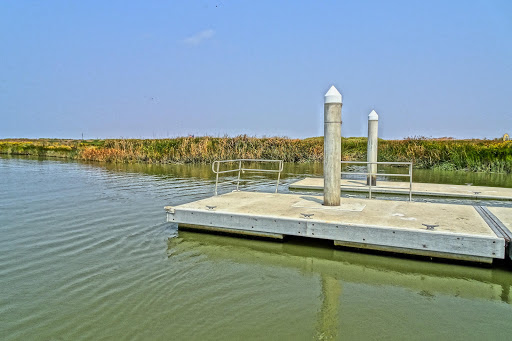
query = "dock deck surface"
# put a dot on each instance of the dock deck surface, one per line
(418, 188)
(395, 226)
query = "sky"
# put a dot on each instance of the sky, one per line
(158, 69)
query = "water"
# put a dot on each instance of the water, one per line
(85, 254)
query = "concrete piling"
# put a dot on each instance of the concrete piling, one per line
(373, 128)
(332, 147)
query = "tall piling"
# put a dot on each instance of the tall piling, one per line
(372, 149)
(332, 147)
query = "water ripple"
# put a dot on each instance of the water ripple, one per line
(85, 253)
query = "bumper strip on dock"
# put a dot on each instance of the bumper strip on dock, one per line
(497, 226)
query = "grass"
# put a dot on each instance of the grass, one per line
(470, 155)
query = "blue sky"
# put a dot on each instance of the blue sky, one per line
(173, 68)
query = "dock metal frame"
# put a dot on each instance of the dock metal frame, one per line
(370, 174)
(498, 227)
(241, 169)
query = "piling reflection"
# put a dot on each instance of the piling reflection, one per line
(420, 276)
(328, 317)
(342, 273)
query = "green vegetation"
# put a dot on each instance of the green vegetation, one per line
(450, 154)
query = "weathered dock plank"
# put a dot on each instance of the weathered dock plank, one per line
(460, 232)
(423, 189)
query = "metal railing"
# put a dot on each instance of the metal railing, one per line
(370, 174)
(241, 169)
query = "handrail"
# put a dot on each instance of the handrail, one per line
(241, 169)
(371, 174)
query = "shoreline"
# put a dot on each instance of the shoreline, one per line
(490, 156)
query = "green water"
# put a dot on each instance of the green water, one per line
(85, 254)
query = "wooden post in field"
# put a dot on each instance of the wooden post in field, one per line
(332, 147)
(373, 133)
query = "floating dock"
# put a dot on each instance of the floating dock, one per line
(422, 189)
(458, 232)
(435, 230)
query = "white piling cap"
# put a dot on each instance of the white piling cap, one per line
(332, 96)
(373, 116)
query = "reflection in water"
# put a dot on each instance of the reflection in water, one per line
(458, 280)
(292, 171)
(300, 170)
(415, 283)
(328, 325)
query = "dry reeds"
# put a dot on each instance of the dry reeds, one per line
(471, 155)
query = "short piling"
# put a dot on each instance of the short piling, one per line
(373, 131)
(332, 147)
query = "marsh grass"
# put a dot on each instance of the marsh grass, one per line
(471, 155)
